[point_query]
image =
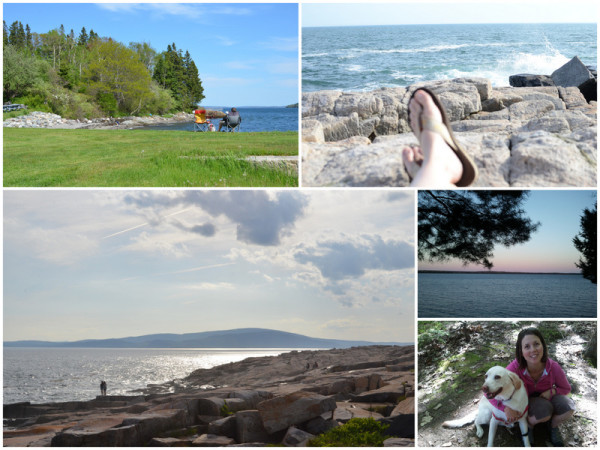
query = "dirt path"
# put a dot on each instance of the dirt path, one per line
(456, 355)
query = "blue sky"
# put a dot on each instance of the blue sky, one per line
(246, 54)
(446, 12)
(550, 248)
(109, 263)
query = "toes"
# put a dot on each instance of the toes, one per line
(412, 160)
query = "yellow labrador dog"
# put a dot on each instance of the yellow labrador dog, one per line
(505, 387)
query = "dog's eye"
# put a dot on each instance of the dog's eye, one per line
(497, 377)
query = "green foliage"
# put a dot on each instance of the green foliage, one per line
(225, 411)
(467, 225)
(431, 332)
(97, 67)
(355, 433)
(586, 243)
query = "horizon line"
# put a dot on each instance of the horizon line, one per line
(453, 23)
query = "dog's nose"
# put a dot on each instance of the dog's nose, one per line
(484, 388)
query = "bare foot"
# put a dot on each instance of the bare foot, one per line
(413, 159)
(440, 167)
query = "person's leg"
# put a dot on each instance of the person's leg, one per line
(440, 167)
(540, 410)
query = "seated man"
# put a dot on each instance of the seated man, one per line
(232, 119)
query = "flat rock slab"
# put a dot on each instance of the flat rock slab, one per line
(212, 440)
(281, 412)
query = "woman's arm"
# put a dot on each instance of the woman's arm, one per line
(561, 384)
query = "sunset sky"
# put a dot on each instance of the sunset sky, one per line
(550, 248)
(84, 264)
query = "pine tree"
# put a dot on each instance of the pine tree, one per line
(4, 34)
(586, 243)
(83, 38)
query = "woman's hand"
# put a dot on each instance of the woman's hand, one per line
(511, 414)
(547, 394)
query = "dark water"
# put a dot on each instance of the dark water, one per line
(253, 119)
(370, 57)
(457, 295)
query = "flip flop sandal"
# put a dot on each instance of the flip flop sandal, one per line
(444, 129)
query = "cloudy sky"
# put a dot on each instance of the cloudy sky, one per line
(98, 264)
(246, 53)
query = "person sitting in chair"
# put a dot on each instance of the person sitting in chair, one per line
(231, 120)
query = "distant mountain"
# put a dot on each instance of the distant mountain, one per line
(239, 338)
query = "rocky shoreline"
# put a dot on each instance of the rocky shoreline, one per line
(37, 119)
(284, 400)
(542, 136)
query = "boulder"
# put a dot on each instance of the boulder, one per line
(296, 438)
(212, 440)
(250, 399)
(529, 80)
(346, 411)
(527, 110)
(406, 406)
(320, 102)
(399, 442)
(223, 427)
(402, 426)
(169, 442)
(573, 73)
(572, 97)
(312, 131)
(320, 425)
(538, 158)
(281, 412)
(589, 89)
(249, 427)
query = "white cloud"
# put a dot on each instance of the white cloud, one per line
(286, 44)
(206, 286)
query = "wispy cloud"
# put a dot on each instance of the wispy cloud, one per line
(158, 9)
(284, 44)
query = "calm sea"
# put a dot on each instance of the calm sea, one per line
(66, 374)
(253, 119)
(455, 295)
(370, 57)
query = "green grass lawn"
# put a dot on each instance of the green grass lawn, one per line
(145, 158)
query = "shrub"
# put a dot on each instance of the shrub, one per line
(355, 433)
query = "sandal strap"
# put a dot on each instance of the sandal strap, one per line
(438, 127)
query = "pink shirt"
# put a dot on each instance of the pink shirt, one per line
(552, 377)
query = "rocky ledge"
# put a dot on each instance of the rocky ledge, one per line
(285, 400)
(518, 136)
(37, 119)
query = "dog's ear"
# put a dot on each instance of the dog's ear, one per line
(516, 381)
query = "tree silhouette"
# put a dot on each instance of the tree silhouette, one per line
(466, 225)
(585, 242)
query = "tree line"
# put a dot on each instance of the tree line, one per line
(85, 75)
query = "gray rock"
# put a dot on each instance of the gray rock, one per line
(398, 442)
(347, 411)
(320, 425)
(296, 438)
(169, 442)
(498, 100)
(223, 427)
(539, 158)
(281, 412)
(212, 440)
(320, 102)
(312, 131)
(572, 73)
(527, 110)
(529, 80)
(589, 89)
(572, 97)
(249, 427)
(402, 426)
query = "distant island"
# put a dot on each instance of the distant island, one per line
(493, 272)
(238, 338)
(295, 105)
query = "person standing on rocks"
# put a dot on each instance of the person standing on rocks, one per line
(439, 162)
(103, 388)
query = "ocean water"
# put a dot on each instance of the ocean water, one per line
(458, 295)
(371, 57)
(253, 119)
(67, 374)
